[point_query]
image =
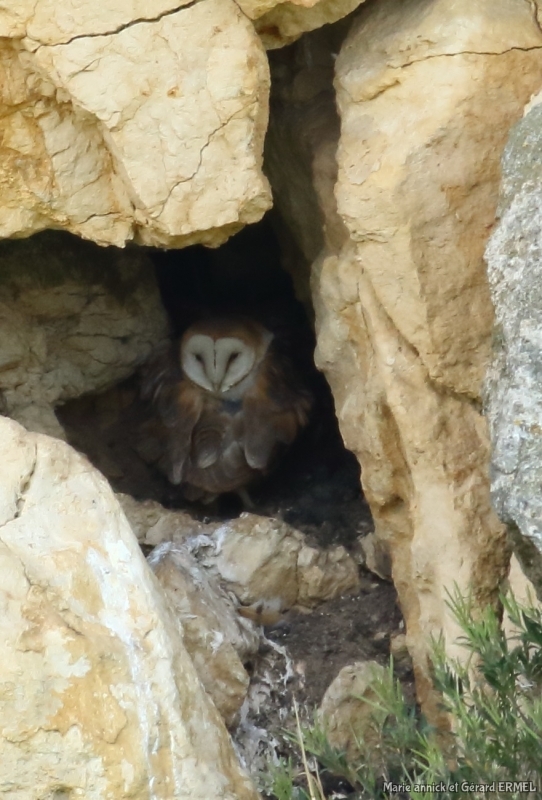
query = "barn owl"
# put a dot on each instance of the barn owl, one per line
(229, 402)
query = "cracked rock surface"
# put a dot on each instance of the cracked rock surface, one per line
(424, 121)
(514, 394)
(99, 698)
(281, 23)
(218, 640)
(267, 564)
(115, 130)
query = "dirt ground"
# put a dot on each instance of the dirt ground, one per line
(339, 633)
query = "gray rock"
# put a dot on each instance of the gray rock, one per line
(514, 381)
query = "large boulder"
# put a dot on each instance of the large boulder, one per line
(99, 698)
(426, 94)
(131, 120)
(264, 562)
(218, 640)
(347, 709)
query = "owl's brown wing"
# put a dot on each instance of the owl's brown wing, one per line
(160, 377)
(179, 405)
(275, 409)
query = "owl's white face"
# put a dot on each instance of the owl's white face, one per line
(217, 364)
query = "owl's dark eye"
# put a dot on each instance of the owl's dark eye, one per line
(232, 358)
(199, 358)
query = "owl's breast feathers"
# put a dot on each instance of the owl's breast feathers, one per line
(231, 406)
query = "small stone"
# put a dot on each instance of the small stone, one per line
(376, 555)
(398, 647)
(344, 715)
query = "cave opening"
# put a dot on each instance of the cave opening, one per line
(315, 486)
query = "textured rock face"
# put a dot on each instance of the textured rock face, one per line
(99, 697)
(514, 386)
(345, 710)
(300, 150)
(217, 639)
(426, 93)
(283, 23)
(73, 319)
(267, 564)
(154, 525)
(166, 139)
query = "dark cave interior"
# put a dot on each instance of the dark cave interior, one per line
(315, 486)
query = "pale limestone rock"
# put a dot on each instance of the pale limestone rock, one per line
(287, 21)
(153, 524)
(376, 555)
(74, 319)
(325, 574)
(217, 639)
(115, 131)
(425, 304)
(52, 22)
(300, 152)
(99, 697)
(279, 22)
(535, 100)
(56, 170)
(256, 558)
(426, 94)
(267, 564)
(345, 716)
(270, 568)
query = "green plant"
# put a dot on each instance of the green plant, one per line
(494, 701)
